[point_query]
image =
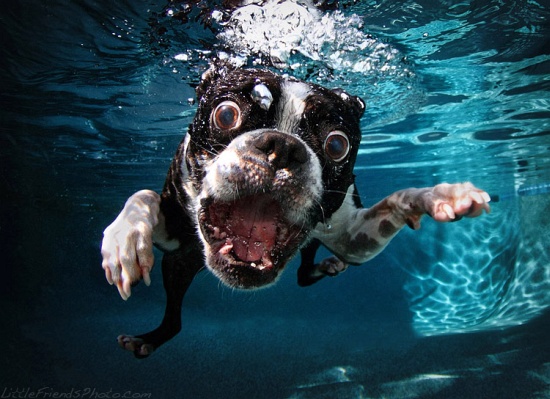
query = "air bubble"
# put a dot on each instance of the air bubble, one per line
(181, 57)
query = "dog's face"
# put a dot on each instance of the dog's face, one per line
(266, 158)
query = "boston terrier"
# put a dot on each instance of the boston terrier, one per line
(264, 171)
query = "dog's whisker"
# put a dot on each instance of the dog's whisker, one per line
(354, 195)
(211, 149)
(320, 205)
(336, 191)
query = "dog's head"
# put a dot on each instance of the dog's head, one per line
(266, 158)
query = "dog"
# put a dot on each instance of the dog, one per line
(264, 171)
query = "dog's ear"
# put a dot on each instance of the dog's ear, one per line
(356, 103)
(218, 69)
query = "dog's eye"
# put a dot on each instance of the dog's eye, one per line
(227, 115)
(336, 146)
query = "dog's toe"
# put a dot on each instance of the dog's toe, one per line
(136, 345)
(453, 201)
(332, 266)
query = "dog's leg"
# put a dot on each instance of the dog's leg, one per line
(178, 270)
(310, 272)
(127, 246)
(357, 235)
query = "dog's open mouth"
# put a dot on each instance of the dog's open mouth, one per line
(249, 237)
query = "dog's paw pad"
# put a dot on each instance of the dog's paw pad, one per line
(453, 201)
(136, 345)
(332, 266)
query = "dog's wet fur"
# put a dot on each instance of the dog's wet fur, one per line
(264, 171)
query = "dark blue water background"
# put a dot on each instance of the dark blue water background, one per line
(94, 100)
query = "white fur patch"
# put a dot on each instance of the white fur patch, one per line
(330, 230)
(184, 171)
(187, 184)
(292, 104)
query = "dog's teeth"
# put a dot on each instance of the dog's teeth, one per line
(266, 261)
(226, 248)
(260, 267)
(217, 233)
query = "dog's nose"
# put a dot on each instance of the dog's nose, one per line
(282, 150)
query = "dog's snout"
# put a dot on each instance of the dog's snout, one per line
(282, 150)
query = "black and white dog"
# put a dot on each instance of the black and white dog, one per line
(265, 170)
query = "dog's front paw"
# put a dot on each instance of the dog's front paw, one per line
(332, 266)
(127, 246)
(136, 345)
(450, 202)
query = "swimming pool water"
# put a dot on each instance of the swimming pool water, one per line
(96, 96)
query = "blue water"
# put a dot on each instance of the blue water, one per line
(96, 95)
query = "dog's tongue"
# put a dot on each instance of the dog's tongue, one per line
(254, 224)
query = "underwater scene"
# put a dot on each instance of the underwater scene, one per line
(96, 96)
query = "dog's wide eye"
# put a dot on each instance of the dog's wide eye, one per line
(227, 115)
(336, 146)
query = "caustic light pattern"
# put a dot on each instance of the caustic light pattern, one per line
(495, 272)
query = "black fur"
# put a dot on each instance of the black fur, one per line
(325, 111)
